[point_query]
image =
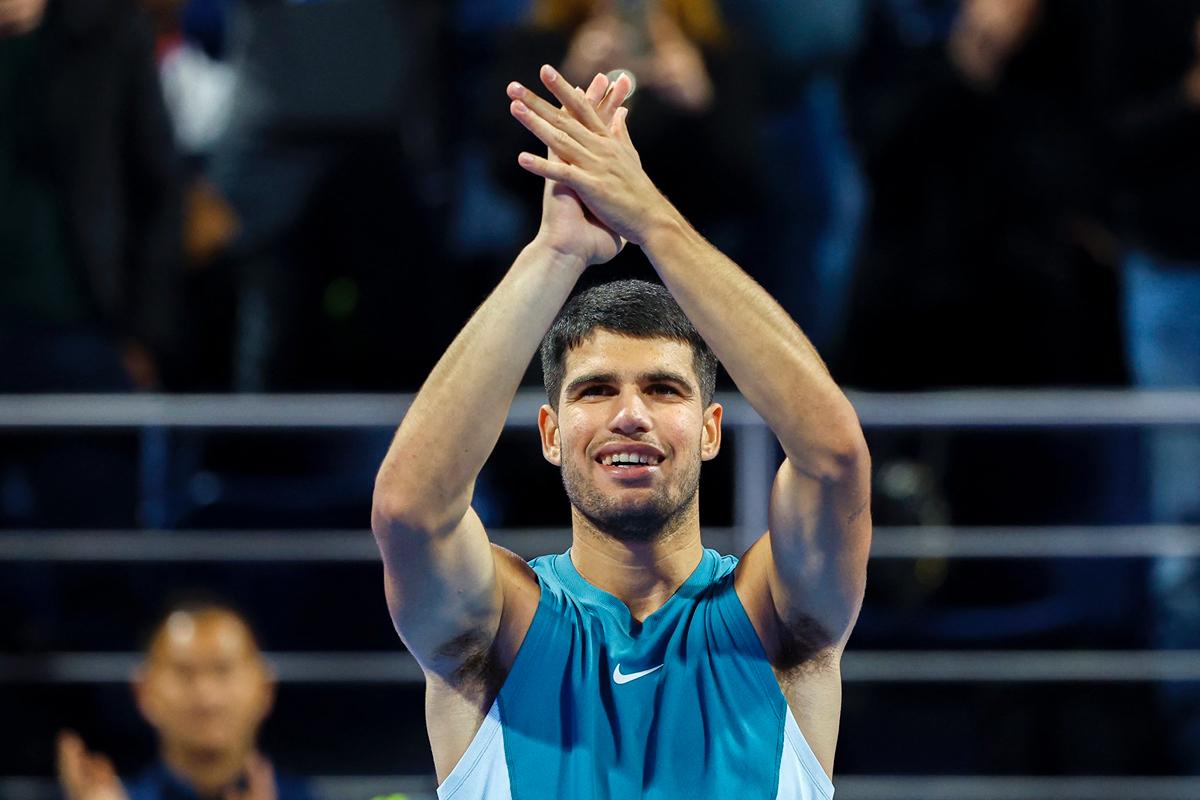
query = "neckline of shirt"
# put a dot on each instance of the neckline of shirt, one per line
(579, 586)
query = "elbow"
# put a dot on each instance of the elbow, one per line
(397, 509)
(850, 456)
(840, 455)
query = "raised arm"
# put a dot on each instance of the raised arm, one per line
(803, 582)
(448, 588)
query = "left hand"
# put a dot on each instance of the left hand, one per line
(597, 161)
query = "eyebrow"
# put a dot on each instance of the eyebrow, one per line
(660, 376)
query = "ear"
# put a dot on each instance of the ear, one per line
(710, 442)
(268, 692)
(548, 427)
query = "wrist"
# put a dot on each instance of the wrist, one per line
(662, 228)
(557, 255)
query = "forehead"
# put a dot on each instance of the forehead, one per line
(628, 356)
(187, 636)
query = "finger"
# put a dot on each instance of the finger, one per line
(597, 88)
(550, 170)
(104, 779)
(620, 126)
(552, 114)
(618, 92)
(572, 98)
(559, 141)
(70, 760)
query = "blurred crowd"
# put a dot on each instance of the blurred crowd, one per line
(257, 195)
(312, 195)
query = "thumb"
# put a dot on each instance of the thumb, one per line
(620, 126)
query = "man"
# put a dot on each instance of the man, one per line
(206, 690)
(637, 664)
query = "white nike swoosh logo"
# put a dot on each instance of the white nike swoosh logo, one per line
(620, 678)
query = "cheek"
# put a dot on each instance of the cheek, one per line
(575, 434)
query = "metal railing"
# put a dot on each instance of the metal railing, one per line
(153, 417)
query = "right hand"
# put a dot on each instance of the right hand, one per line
(84, 775)
(567, 226)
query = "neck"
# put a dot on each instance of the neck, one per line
(209, 772)
(641, 574)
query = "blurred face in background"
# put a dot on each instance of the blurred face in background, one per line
(205, 687)
(18, 17)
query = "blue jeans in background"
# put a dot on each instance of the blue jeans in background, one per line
(1162, 328)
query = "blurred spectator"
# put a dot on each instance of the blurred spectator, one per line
(1148, 65)
(332, 162)
(89, 200)
(205, 689)
(816, 195)
(687, 65)
(978, 134)
(89, 244)
(198, 90)
(981, 266)
(199, 94)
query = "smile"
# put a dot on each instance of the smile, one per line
(630, 459)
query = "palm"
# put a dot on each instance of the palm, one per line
(566, 219)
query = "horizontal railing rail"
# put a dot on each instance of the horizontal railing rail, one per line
(944, 409)
(849, 787)
(1126, 541)
(858, 666)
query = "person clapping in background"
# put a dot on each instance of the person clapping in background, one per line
(206, 690)
(684, 58)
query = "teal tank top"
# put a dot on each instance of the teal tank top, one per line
(598, 706)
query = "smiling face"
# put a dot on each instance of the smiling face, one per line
(630, 432)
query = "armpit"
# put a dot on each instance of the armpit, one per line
(804, 643)
(473, 665)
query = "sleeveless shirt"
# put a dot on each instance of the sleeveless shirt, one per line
(599, 706)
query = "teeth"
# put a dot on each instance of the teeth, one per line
(628, 458)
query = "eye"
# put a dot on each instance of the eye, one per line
(661, 388)
(594, 389)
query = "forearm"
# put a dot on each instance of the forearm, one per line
(457, 417)
(773, 364)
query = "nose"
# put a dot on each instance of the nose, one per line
(631, 415)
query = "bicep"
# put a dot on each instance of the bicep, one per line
(443, 591)
(810, 569)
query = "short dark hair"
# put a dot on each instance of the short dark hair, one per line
(640, 309)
